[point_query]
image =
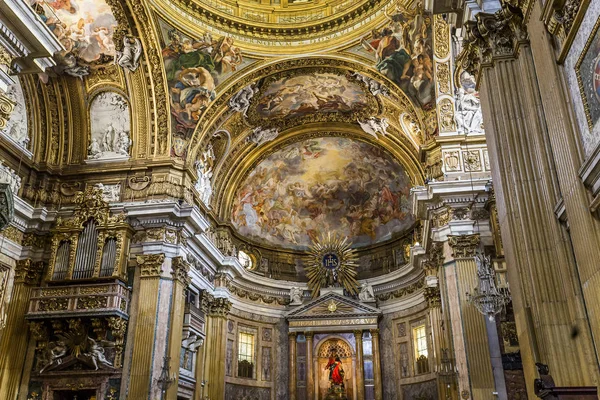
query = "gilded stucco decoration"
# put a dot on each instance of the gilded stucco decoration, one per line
(442, 37)
(446, 116)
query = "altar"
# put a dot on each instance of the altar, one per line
(330, 336)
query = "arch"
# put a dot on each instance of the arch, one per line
(324, 349)
(218, 113)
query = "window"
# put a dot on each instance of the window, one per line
(420, 338)
(245, 355)
(245, 260)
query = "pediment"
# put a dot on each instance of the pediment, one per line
(333, 305)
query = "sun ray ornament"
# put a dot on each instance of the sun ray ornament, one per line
(331, 262)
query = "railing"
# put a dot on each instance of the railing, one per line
(193, 317)
(83, 300)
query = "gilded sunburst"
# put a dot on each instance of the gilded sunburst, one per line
(332, 262)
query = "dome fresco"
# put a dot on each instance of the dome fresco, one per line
(323, 185)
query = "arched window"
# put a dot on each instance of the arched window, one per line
(85, 258)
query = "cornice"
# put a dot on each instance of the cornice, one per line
(265, 39)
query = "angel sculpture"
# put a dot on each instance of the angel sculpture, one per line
(55, 353)
(129, 56)
(96, 354)
(374, 125)
(240, 102)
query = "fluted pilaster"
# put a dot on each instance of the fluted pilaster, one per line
(13, 343)
(216, 347)
(151, 267)
(181, 279)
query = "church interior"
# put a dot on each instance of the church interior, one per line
(299, 199)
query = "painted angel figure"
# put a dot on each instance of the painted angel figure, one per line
(129, 56)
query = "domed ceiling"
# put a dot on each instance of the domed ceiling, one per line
(328, 184)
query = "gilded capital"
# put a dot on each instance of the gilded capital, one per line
(220, 307)
(180, 270)
(374, 332)
(205, 300)
(436, 258)
(150, 264)
(491, 36)
(292, 335)
(464, 246)
(432, 295)
(358, 333)
(28, 272)
(309, 335)
(39, 331)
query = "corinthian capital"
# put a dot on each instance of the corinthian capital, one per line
(492, 36)
(150, 264)
(464, 246)
(180, 270)
(28, 272)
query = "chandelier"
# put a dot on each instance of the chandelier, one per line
(487, 297)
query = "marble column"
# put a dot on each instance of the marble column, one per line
(13, 344)
(524, 140)
(150, 271)
(376, 365)
(216, 348)
(310, 371)
(360, 365)
(179, 270)
(292, 365)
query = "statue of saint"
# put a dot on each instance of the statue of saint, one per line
(336, 372)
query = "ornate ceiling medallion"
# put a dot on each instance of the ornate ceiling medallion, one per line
(332, 263)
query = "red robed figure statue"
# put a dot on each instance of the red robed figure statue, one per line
(336, 372)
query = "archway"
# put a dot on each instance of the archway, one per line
(334, 346)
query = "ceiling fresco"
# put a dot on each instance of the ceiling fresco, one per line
(194, 69)
(304, 94)
(323, 185)
(403, 51)
(84, 27)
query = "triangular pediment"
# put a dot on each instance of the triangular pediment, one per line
(333, 305)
